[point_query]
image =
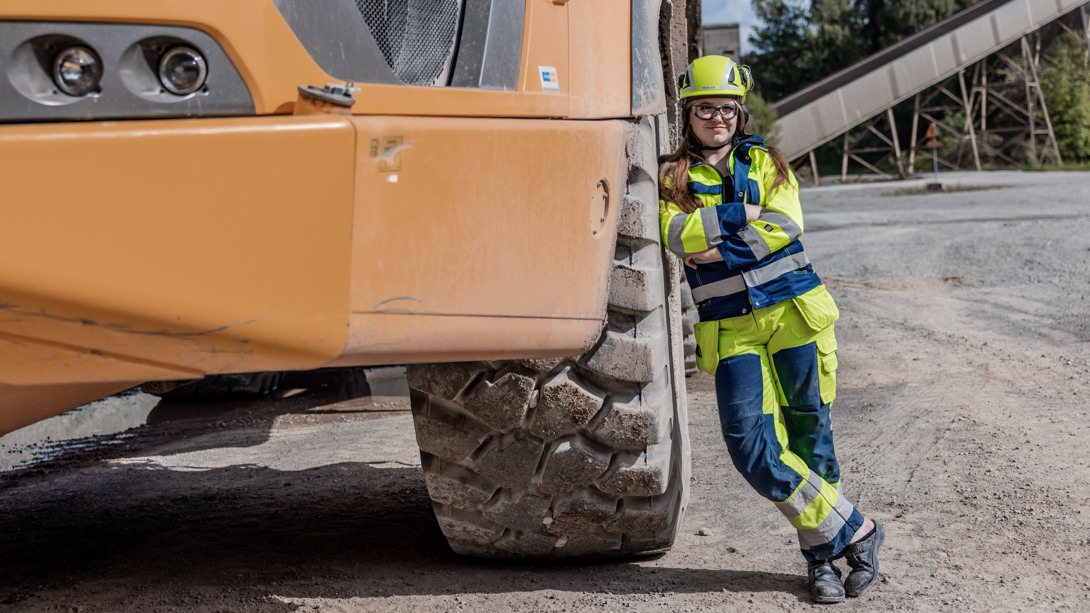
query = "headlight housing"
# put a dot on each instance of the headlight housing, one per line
(83, 71)
(77, 70)
(182, 70)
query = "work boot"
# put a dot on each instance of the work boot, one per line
(862, 557)
(825, 585)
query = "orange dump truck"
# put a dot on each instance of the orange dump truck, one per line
(466, 186)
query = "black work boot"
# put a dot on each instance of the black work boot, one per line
(862, 557)
(825, 585)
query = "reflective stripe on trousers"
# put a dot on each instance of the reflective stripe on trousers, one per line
(775, 384)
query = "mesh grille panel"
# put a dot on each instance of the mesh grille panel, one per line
(416, 36)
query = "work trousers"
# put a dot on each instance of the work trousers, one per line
(775, 384)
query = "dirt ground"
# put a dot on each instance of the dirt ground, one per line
(961, 423)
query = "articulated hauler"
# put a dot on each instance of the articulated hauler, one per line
(465, 186)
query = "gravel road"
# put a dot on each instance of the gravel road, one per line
(961, 423)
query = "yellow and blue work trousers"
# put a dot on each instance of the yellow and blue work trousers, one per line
(775, 382)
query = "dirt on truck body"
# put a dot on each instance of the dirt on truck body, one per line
(205, 188)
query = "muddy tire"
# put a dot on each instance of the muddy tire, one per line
(584, 456)
(689, 318)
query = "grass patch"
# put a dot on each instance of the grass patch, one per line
(1071, 167)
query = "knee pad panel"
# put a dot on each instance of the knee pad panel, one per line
(798, 374)
(739, 387)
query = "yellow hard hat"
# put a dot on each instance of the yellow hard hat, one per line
(715, 75)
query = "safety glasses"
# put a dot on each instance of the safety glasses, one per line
(706, 111)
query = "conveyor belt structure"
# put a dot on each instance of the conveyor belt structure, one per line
(829, 108)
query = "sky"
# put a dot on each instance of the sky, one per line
(731, 11)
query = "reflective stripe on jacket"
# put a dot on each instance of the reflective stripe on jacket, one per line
(763, 261)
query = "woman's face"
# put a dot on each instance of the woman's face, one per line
(714, 120)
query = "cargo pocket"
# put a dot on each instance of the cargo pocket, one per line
(707, 345)
(826, 349)
(818, 311)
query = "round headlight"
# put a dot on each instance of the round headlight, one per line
(77, 71)
(182, 70)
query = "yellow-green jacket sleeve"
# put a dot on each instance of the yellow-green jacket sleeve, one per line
(707, 227)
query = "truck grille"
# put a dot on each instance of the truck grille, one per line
(417, 37)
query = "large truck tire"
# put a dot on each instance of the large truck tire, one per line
(576, 457)
(689, 317)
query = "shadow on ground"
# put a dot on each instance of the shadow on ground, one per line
(242, 534)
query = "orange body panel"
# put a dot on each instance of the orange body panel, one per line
(601, 75)
(470, 220)
(213, 245)
(21, 405)
(428, 224)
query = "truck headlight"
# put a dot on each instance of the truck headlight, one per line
(77, 70)
(182, 70)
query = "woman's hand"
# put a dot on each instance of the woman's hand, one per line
(704, 257)
(753, 212)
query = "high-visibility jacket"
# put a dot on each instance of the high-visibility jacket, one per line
(763, 261)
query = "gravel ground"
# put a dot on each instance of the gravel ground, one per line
(960, 420)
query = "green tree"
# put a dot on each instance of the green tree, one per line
(1065, 82)
(833, 39)
(762, 118)
(780, 46)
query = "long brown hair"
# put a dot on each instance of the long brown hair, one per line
(674, 167)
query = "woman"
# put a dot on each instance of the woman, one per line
(729, 206)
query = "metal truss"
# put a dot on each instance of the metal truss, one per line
(874, 146)
(1002, 111)
(992, 112)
